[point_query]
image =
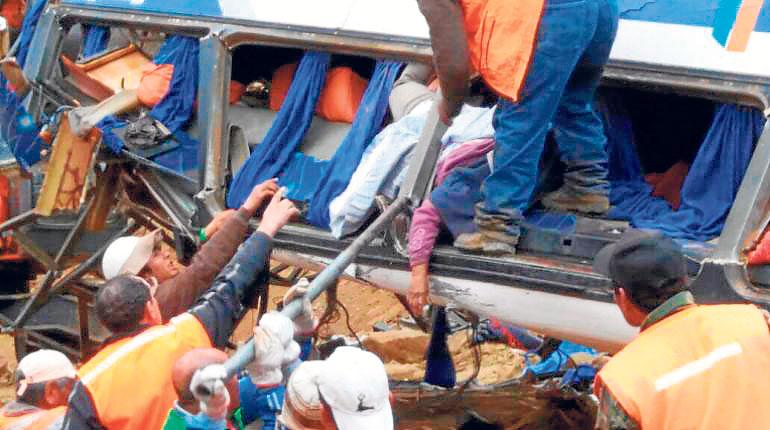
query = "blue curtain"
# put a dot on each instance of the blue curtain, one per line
(175, 110)
(289, 127)
(95, 41)
(366, 125)
(28, 26)
(710, 187)
(300, 176)
(19, 131)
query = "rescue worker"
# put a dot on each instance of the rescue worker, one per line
(347, 391)
(178, 290)
(691, 366)
(127, 384)
(544, 59)
(44, 380)
(354, 393)
(302, 403)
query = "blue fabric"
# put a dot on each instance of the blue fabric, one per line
(439, 368)
(574, 42)
(260, 403)
(367, 123)
(31, 17)
(109, 138)
(300, 176)
(559, 359)
(19, 130)
(463, 184)
(708, 191)
(289, 127)
(96, 40)
(176, 108)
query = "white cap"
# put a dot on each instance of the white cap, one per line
(302, 405)
(128, 255)
(354, 384)
(42, 366)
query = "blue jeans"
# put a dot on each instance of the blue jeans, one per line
(573, 45)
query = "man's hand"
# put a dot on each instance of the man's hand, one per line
(208, 387)
(305, 323)
(418, 294)
(277, 214)
(219, 220)
(258, 195)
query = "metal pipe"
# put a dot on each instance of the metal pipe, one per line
(245, 354)
(24, 218)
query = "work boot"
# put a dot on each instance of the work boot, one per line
(497, 234)
(568, 199)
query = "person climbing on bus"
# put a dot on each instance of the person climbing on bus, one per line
(44, 380)
(544, 60)
(178, 289)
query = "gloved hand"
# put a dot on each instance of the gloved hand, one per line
(492, 330)
(274, 348)
(208, 386)
(305, 324)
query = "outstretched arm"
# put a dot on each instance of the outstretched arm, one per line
(450, 52)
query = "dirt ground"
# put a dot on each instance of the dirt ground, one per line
(402, 349)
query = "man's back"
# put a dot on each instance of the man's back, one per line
(703, 367)
(129, 381)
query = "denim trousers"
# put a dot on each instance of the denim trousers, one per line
(573, 45)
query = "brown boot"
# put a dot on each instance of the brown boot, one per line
(566, 199)
(487, 242)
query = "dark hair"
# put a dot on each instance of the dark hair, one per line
(34, 394)
(120, 303)
(650, 297)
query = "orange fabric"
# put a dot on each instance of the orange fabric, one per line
(341, 95)
(40, 420)
(129, 381)
(279, 86)
(13, 12)
(704, 367)
(155, 83)
(501, 39)
(236, 91)
(668, 185)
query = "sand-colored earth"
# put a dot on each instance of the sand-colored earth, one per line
(402, 349)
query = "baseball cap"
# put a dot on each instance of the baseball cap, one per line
(302, 404)
(354, 384)
(44, 365)
(642, 258)
(129, 254)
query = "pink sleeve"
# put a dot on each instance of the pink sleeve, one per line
(423, 233)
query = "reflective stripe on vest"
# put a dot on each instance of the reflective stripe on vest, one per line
(129, 381)
(51, 419)
(705, 367)
(501, 40)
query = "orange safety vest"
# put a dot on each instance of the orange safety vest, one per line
(43, 419)
(704, 367)
(129, 381)
(501, 39)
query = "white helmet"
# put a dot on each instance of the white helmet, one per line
(128, 255)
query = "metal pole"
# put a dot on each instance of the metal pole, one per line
(245, 354)
(417, 181)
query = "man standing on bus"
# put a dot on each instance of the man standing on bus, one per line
(544, 59)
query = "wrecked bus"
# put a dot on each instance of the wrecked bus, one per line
(684, 99)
